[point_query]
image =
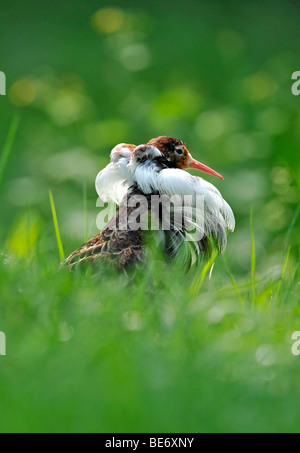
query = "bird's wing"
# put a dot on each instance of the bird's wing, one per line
(172, 181)
(214, 216)
(175, 181)
(120, 247)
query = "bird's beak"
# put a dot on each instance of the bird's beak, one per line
(198, 166)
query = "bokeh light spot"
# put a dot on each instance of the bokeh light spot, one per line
(106, 133)
(108, 20)
(273, 121)
(22, 92)
(210, 125)
(281, 176)
(265, 355)
(213, 124)
(259, 86)
(178, 101)
(135, 57)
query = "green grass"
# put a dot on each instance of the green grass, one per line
(145, 355)
(199, 279)
(160, 351)
(56, 227)
(252, 258)
(8, 145)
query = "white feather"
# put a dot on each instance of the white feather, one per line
(110, 186)
(113, 181)
(218, 215)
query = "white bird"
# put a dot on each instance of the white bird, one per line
(157, 170)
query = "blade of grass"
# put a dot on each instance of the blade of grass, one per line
(198, 281)
(288, 247)
(7, 148)
(57, 232)
(283, 270)
(253, 259)
(291, 227)
(233, 281)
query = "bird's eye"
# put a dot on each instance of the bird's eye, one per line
(179, 151)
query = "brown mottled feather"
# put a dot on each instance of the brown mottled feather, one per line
(113, 244)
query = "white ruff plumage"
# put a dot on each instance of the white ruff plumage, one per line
(218, 215)
(113, 181)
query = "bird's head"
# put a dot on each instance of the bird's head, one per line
(143, 153)
(177, 155)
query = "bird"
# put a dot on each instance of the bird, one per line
(143, 172)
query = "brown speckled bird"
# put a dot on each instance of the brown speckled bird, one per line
(155, 168)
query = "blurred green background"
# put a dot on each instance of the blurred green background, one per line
(82, 77)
